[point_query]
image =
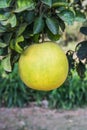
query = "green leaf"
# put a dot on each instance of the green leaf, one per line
(2, 17)
(5, 3)
(21, 29)
(36, 38)
(2, 45)
(81, 50)
(11, 20)
(83, 30)
(24, 5)
(17, 46)
(62, 24)
(20, 39)
(80, 17)
(7, 37)
(14, 44)
(2, 29)
(54, 1)
(59, 4)
(29, 16)
(53, 25)
(3, 51)
(47, 2)
(38, 25)
(6, 63)
(53, 37)
(81, 68)
(67, 16)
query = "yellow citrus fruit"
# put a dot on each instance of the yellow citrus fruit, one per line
(43, 66)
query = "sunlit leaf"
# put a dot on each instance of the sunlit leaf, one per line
(11, 20)
(14, 44)
(59, 4)
(5, 3)
(67, 16)
(2, 17)
(2, 45)
(47, 2)
(17, 46)
(6, 63)
(24, 5)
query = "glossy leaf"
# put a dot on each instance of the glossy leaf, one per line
(6, 63)
(67, 16)
(14, 44)
(81, 50)
(47, 2)
(83, 30)
(38, 25)
(53, 25)
(59, 4)
(24, 5)
(2, 17)
(12, 21)
(5, 3)
(17, 46)
(2, 45)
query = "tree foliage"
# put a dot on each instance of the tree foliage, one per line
(23, 22)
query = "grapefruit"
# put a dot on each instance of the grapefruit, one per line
(43, 66)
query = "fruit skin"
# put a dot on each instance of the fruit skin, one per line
(43, 66)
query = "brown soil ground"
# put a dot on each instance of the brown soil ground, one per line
(36, 118)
